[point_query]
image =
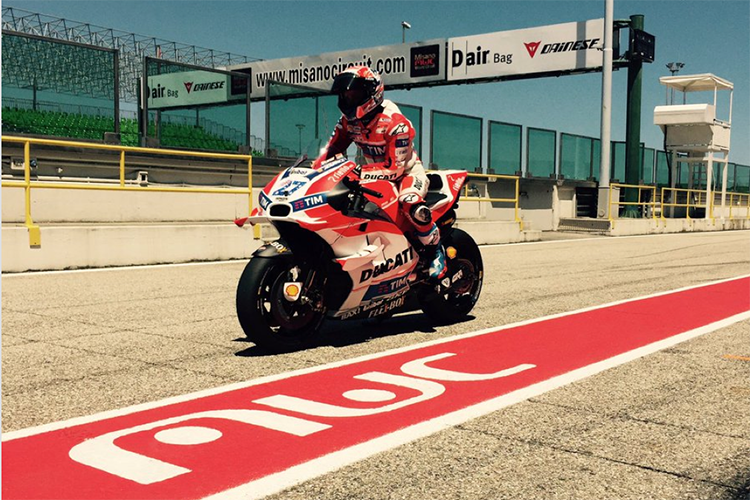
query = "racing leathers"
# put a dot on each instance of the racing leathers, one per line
(387, 144)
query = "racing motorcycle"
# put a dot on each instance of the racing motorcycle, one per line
(346, 252)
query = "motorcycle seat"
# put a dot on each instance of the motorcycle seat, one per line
(434, 196)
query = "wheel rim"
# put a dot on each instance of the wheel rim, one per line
(282, 316)
(464, 292)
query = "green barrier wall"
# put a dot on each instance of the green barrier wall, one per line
(576, 157)
(504, 148)
(455, 141)
(647, 163)
(414, 115)
(540, 152)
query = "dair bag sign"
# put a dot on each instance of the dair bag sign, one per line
(186, 89)
(565, 47)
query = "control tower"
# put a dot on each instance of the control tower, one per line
(693, 133)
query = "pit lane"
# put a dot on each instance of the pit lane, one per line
(670, 425)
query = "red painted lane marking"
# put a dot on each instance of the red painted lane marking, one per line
(206, 445)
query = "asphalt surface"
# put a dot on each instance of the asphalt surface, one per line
(671, 425)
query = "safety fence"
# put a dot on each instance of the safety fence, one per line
(674, 203)
(647, 202)
(28, 185)
(471, 193)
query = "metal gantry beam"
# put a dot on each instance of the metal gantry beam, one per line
(132, 47)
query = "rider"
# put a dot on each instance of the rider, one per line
(386, 138)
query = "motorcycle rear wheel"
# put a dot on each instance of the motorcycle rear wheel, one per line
(266, 317)
(453, 304)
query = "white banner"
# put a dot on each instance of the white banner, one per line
(187, 88)
(558, 47)
(397, 64)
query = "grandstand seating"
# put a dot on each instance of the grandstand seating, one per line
(81, 126)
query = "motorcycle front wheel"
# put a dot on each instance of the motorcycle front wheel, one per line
(266, 316)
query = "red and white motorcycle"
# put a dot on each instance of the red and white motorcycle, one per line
(345, 252)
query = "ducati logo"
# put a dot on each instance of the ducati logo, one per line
(531, 47)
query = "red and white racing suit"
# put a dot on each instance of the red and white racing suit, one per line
(387, 144)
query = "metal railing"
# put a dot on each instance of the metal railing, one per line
(642, 203)
(28, 185)
(690, 201)
(513, 200)
(740, 197)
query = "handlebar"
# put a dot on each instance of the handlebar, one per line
(371, 192)
(356, 186)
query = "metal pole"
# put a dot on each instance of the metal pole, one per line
(248, 135)
(709, 187)
(633, 125)
(606, 120)
(724, 178)
(268, 119)
(116, 64)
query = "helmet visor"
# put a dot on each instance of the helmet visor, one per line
(352, 98)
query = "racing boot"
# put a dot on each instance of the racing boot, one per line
(434, 252)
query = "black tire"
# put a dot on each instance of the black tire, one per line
(454, 304)
(266, 317)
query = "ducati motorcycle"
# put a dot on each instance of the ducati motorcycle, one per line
(346, 252)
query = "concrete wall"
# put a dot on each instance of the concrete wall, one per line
(76, 206)
(85, 228)
(66, 247)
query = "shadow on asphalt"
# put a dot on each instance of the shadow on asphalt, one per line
(335, 333)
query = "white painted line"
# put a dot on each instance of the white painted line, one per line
(121, 268)
(281, 376)
(614, 238)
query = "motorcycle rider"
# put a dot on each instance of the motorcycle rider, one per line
(386, 139)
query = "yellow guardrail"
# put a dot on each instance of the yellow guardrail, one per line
(739, 197)
(28, 185)
(689, 202)
(514, 200)
(641, 189)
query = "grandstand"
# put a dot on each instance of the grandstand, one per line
(93, 123)
(56, 84)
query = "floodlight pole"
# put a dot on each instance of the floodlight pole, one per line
(404, 26)
(606, 120)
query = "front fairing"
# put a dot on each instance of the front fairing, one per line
(300, 195)
(317, 198)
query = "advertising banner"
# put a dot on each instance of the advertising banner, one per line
(187, 88)
(559, 47)
(400, 64)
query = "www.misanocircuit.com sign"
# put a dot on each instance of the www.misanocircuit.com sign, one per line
(402, 64)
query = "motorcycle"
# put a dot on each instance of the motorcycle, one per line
(346, 252)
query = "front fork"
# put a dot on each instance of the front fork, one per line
(305, 292)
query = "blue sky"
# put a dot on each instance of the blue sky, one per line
(708, 36)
